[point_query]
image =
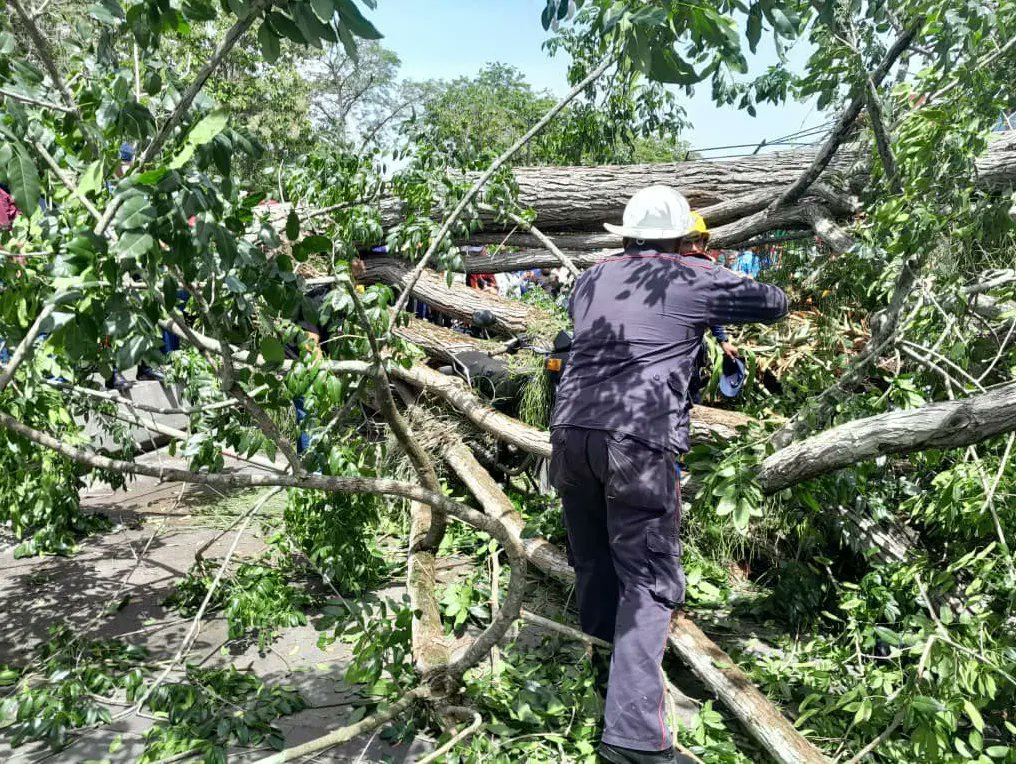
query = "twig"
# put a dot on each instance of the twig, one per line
(886, 734)
(24, 347)
(118, 399)
(338, 736)
(238, 30)
(436, 754)
(192, 633)
(560, 628)
(482, 180)
(35, 101)
(70, 184)
(46, 55)
(989, 499)
(230, 384)
(882, 143)
(542, 237)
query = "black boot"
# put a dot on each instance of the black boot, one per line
(615, 754)
(118, 382)
(147, 374)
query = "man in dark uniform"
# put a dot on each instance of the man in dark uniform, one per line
(620, 421)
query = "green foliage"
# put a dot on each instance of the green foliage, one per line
(335, 532)
(380, 634)
(65, 687)
(257, 597)
(38, 488)
(465, 602)
(213, 709)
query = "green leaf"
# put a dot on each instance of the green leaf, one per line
(286, 27)
(997, 751)
(754, 31)
(270, 48)
(324, 9)
(133, 245)
(782, 22)
(23, 179)
(210, 126)
(348, 43)
(272, 350)
(91, 178)
(134, 213)
(292, 225)
(6, 43)
(312, 245)
(183, 157)
(357, 24)
(727, 503)
(975, 716)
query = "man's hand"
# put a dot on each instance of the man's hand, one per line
(729, 350)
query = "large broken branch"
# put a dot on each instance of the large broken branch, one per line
(845, 122)
(457, 300)
(949, 424)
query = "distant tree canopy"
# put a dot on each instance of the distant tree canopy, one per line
(477, 118)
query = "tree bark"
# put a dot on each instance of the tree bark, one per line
(949, 424)
(442, 344)
(457, 300)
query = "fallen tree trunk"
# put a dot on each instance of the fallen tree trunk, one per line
(457, 300)
(714, 668)
(440, 343)
(949, 424)
(707, 423)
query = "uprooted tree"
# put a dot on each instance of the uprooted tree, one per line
(902, 338)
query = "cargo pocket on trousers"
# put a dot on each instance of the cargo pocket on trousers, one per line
(558, 472)
(640, 476)
(665, 562)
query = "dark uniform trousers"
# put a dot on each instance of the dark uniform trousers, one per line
(622, 512)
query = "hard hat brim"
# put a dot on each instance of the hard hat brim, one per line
(646, 234)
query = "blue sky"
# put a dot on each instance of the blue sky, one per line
(444, 39)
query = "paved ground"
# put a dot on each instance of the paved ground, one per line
(128, 572)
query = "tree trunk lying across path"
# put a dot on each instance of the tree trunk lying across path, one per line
(457, 300)
(714, 668)
(706, 423)
(440, 343)
(949, 424)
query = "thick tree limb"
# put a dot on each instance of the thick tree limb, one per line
(845, 122)
(949, 424)
(427, 526)
(884, 332)
(457, 300)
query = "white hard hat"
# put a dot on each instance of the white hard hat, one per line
(654, 213)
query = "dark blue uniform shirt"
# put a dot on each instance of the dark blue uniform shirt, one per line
(639, 320)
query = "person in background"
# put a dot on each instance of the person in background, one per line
(748, 263)
(696, 245)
